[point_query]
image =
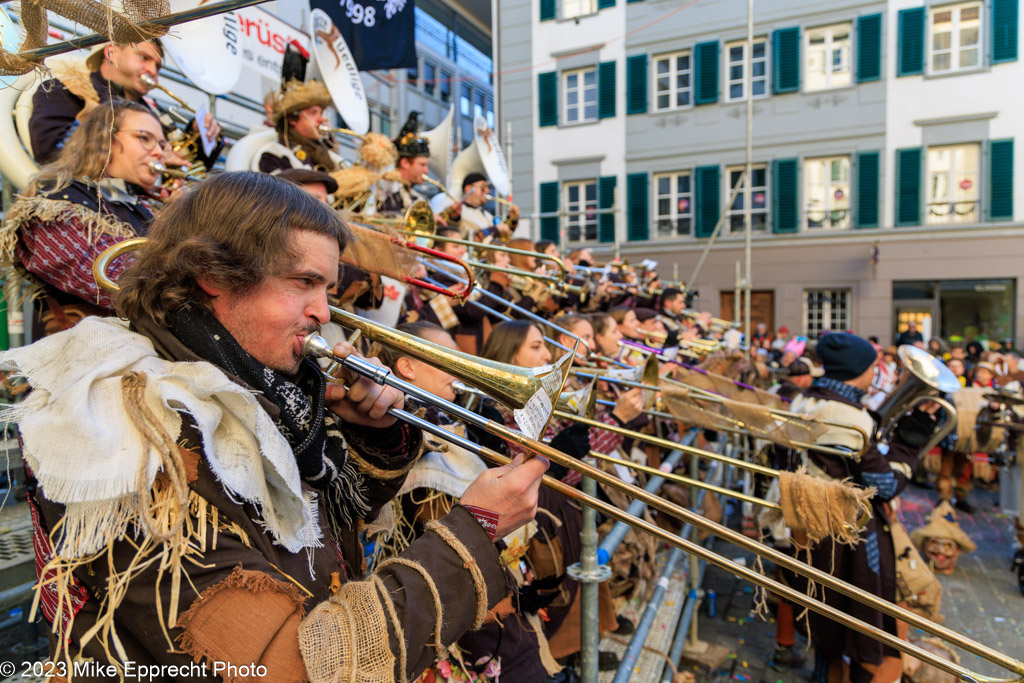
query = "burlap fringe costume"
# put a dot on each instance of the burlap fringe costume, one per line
(820, 508)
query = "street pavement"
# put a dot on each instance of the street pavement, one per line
(980, 600)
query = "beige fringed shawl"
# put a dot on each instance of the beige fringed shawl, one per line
(87, 453)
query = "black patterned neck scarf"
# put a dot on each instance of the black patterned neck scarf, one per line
(319, 447)
(845, 390)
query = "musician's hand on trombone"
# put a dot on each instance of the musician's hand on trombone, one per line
(360, 400)
(509, 490)
(629, 405)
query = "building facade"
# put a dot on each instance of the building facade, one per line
(883, 183)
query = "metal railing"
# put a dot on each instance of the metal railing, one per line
(953, 213)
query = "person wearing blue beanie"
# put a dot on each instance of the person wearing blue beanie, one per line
(883, 468)
(846, 356)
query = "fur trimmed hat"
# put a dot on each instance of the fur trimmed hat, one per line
(296, 96)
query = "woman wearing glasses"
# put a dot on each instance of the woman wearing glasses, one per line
(87, 199)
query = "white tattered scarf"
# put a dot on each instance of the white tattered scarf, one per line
(87, 453)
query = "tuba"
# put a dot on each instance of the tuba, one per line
(441, 141)
(926, 377)
(483, 155)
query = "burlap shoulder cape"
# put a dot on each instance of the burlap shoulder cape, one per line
(88, 455)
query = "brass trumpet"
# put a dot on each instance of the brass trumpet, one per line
(471, 370)
(160, 169)
(185, 144)
(150, 82)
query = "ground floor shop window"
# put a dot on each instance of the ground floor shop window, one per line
(957, 310)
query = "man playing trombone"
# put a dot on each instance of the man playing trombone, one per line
(198, 485)
(111, 72)
(413, 155)
(472, 219)
(869, 562)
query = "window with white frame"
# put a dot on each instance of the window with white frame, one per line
(736, 64)
(826, 310)
(953, 195)
(577, 8)
(954, 37)
(673, 201)
(827, 192)
(580, 95)
(758, 197)
(673, 86)
(580, 208)
(828, 57)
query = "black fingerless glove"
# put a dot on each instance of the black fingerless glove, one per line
(916, 428)
(537, 594)
(573, 440)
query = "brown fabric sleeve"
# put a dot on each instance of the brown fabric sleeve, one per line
(413, 601)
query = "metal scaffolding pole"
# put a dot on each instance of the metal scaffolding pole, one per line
(747, 77)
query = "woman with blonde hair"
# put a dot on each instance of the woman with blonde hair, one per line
(90, 197)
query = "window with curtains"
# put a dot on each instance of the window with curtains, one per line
(736, 64)
(580, 88)
(580, 205)
(673, 84)
(673, 200)
(828, 57)
(758, 198)
(954, 38)
(827, 193)
(826, 309)
(577, 8)
(953, 193)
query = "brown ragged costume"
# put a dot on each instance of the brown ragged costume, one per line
(195, 575)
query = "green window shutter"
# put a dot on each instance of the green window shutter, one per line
(636, 84)
(549, 204)
(910, 50)
(605, 4)
(866, 190)
(606, 200)
(606, 90)
(705, 58)
(629, 1)
(637, 223)
(547, 10)
(786, 60)
(1004, 31)
(707, 194)
(785, 212)
(547, 98)
(908, 186)
(1000, 180)
(869, 48)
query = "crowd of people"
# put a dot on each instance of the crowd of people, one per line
(203, 493)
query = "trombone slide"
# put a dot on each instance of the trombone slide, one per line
(315, 346)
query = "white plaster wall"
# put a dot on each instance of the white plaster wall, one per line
(993, 88)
